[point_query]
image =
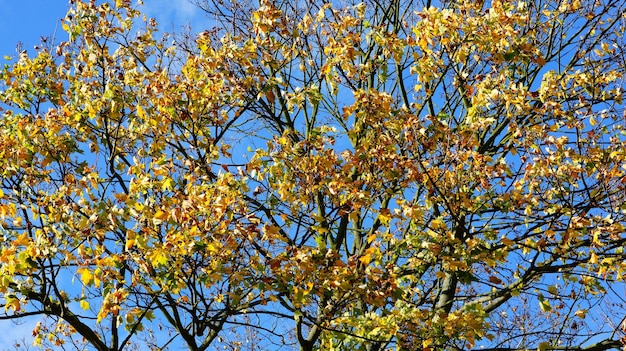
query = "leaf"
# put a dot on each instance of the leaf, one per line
(159, 217)
(543, 346)
(158, 258)
(495, 280)
(86, 276)
(22, 240)
(544, 305)
(365, 259)
(168, 184)
(510, 55)
(369, 254)
(506, 241)
(581, 313)
(12, 303)
(319, 229)
(141, 113)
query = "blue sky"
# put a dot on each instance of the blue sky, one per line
(26, 22)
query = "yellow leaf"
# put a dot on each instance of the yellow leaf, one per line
(438, 223)
(129, 244)
(385, 216)
(21, 240)
(212, 247)
(219, 298)
(365, 259)
(159, 217)
(354, 216)
(162, 215)
(158, 258)
(96, 276)
(423, 43)
(371, 252)
(85, 276)
(506, 241)
(543, 346)
(84, 305)
(12, 303)
(121, 197)
(319, 229)
(168, 184)
(140, 112)
(545, 306)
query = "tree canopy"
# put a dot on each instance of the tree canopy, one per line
(315, 175)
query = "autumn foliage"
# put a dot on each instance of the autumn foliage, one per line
(384, 175)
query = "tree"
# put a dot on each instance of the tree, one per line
(320, 175)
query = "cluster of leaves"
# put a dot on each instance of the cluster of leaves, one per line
(321, 175)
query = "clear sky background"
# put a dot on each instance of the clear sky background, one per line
(26, 22)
